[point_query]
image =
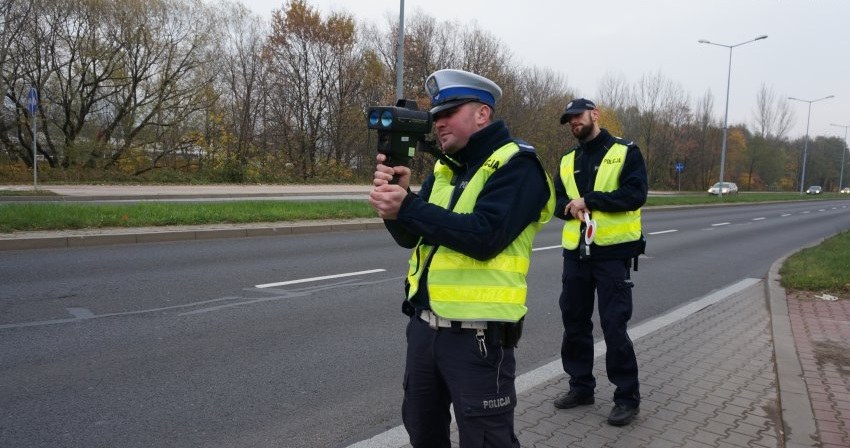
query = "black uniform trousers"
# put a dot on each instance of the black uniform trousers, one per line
(447, 366)
(610, 280)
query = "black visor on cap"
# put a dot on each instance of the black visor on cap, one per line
(566, 117)
(451, 104)
(576, 107)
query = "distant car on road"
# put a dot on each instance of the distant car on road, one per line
(845, 190)
(727, 188)
(814, 189)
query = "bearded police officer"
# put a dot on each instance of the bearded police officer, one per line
(600, 189)
(471, 227)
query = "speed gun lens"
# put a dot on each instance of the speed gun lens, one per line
(386, 118)
(373, 118)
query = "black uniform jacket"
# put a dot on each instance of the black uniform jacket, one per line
(631, 195)
(512, 198)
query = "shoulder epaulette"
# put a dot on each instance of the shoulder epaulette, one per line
(623, 141)
(524, 145)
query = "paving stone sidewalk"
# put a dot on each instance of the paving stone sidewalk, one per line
(706, 381)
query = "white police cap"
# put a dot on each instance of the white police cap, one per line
(450, 88)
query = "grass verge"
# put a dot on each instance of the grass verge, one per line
(53, 216)
(822, 268)
(29, 216)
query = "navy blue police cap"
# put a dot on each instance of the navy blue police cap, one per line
(450, 88)
(575, 107)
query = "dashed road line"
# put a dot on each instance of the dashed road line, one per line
(660, 232)
(546, 248)
(315, 279)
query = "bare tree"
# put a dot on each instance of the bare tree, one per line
(242, 38)
(704, 160)
(164, 46)
(14, 16)
(772, 116)
(613, 92)
(663, 108)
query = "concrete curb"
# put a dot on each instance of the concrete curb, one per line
(798, 419)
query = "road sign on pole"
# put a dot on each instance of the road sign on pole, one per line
(32, 101)
(679, 168)
(32, 105)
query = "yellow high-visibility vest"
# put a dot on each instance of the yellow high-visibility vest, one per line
(461, 287)
(611, 227)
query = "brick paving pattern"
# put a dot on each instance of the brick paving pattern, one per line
(822, 337)
(706, 381)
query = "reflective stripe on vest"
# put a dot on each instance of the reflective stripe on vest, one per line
(461, 287)
(611, 227)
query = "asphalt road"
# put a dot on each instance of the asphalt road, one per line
(175, 344)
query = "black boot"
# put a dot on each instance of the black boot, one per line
(572, 399)
(622, 414)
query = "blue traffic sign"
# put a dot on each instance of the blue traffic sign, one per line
(32, 101)
(680, 167)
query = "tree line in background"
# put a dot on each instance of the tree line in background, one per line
(192, 91)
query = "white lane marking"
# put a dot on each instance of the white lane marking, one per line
(663, 231)
(546, 248)
(315, 279)
(759, 219)
(721, 224)
(806, 212)
(397, 437)
(822, 210)
(80, 313)
(785, 214)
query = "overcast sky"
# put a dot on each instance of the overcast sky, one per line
(806, 54)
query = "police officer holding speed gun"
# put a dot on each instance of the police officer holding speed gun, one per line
(600, 189)
(470, 228)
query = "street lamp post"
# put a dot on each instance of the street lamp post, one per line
(806, 143)
(726, 114)
(843, 152)
(399, 67)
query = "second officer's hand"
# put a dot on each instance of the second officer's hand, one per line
(577, 208)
